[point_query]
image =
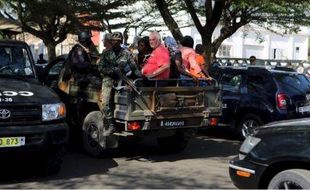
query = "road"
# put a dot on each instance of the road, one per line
(204, 164)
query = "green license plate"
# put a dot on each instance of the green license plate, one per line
(12, 141)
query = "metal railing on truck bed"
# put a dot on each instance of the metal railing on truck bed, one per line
(167, 99)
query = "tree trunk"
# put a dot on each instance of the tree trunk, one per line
(51, 49)
(169, 20)
(207, 44)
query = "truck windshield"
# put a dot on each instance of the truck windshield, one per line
(15, 61)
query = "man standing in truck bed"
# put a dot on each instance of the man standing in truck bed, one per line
(112, 60)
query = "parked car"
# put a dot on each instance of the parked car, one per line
(32, 117)
(50, 72)
(255, 95)
(275, 156)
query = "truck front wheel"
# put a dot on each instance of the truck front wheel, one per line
(173, 144)
(94, 142)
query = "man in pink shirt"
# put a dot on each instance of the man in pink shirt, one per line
(158, 64)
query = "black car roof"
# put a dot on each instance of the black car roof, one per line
(12, 42)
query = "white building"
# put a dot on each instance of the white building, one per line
(37, 46)
(247, 41)
(257, 41)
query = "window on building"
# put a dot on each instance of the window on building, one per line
(224, 51)
(297, 53)
(277, 53)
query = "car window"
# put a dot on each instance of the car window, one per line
(231, 81)
(293, 82)
(255, 84)
(15, 60)
(55, 70)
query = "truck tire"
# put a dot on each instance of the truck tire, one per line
(53, 159)
(291, 179)
(247, 124)
(94, 143)
(172, 144)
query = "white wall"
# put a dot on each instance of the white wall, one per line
(263, 44)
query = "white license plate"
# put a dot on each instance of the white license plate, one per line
(168, 123)
(11, 141)
(304, 109)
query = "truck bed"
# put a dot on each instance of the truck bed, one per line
(167, 103)
(159, 103)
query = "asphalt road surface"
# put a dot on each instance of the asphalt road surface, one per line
(204, 164)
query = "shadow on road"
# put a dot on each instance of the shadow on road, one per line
(77, 166)
(208, 143)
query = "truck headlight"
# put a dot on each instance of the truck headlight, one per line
(248, 144)
(53, 111)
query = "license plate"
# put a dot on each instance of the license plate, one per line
(12, 141)
(304, 109)
(168, 123)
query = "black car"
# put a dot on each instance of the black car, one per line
(253, 96)
(50, 72)
(276, 156)
(32, 117)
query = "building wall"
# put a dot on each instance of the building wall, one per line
(245, 42)
(37, 46)
(261, 43)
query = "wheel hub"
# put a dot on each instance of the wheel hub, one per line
(288, 185)
(92, 134)
(248, 127)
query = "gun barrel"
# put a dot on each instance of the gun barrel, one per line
(127, 80)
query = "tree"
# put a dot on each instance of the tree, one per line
(143, 17)
(230, 15)
(52, 20)
(146, 17)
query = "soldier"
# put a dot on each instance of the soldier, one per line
(81, 59)
(84, 52)
(111, 61)
(107, 43)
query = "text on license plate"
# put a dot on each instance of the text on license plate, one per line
(172, 123)
(304, 109)
(12, 141)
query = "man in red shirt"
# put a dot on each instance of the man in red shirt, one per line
(158, 64)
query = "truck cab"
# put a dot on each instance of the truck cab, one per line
(32, 117)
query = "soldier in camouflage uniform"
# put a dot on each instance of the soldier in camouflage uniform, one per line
(111, 60)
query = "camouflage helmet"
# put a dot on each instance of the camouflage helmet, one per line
(84, 36)
(117, 36)
(107, 36)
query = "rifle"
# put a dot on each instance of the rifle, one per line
(118, 72)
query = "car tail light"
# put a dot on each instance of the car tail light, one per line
(134, 126)
(213, 121)
(282, 101)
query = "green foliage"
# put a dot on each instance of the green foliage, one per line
(52, 20)
(287, 15)
(281, 16)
